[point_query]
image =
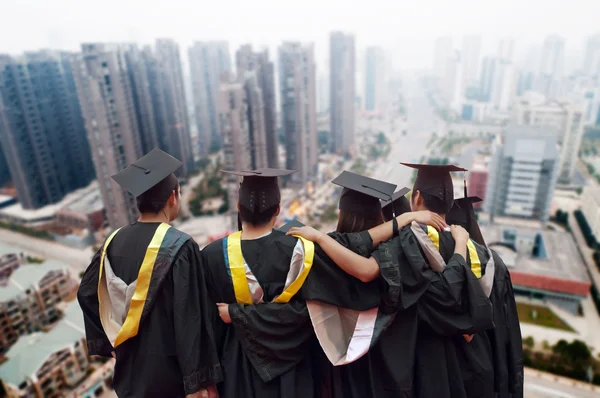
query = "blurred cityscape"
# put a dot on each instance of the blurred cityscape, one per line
(528, 131)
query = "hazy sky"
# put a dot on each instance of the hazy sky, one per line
(406, 29)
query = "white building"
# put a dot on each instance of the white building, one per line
(471, 51)
(506, 49)
(442, 53)
(454, 83)
(504, 85)
(553, 57)
(375, 79)
(567, 117)
(523, 173)
(590, 206)
(591, 63)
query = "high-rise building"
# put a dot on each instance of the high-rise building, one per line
(234, 126)
(523, 173)
(342, 94)
(297, 86)
(159, 99)
(4, 171)
(591, 63)
(525, 82)
(42, 134)
(488, 73)
(443, 51)
(322, 93)
(471, 51)
(553, 57)
(208, 61)
(504, 86)
(375, 80)
(566, 117)
(105, 94)
(506, 49)
(259, 72)
(455, 84)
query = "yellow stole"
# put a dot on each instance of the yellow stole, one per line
(473, 256)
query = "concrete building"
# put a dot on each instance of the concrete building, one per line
(591, 63)
(234, 126)
(84, 212)
(590, 206)
(478, 180)
(323, 94)
(375, 80)
(455, 84)
(553, 57)
(297, 86)
(10, 260)
(443, 51)
(48, 364)
(42, 134)
(208, 61)
(471, 51)
(30, 299)
(544, 265)
(504, 85)
(525, 82)
(523, 173)
(262, 85)
(566, 117)
(488, 74)
(4, 171)
(106, 98)
(342, 93)
(506, 49)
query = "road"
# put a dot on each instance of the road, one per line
(544, 385)
(421, 122)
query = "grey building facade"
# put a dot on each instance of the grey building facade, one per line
(523, 173)
(259, 64)
(208, 61)
(4, 171)
(342, 93)
(106, 97)
(42, 132)
(297, 86)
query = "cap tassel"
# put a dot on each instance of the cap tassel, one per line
(465, 182)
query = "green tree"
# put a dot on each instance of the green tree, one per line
(529, 342)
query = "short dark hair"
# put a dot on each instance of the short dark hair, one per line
(156, 198)
(349, 222)
(434, 204)
(255, 218)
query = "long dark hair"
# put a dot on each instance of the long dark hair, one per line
(352, 222)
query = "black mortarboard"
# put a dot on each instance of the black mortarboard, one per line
(147, 172)
(362, 194)
(286, 227)
(398, 205)
(463, 214)
(435, 180)
(259, 190)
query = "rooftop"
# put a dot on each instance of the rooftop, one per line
(29, 353)
(26, 276)
(8, 249)
(541, 259)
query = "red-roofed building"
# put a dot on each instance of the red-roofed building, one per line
(557, 285)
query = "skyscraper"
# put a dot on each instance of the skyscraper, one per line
(454, 82)
(4, 171)
(488, 73)
(471, 50)
(504, 85)
(208, 61)
(506, 49)
(523, 173)
(565, 117)
(342, 95)
(322, 93)
(105, 94)
(297, 71)
(591, 63)
(442, 53)
(259, 73)
(42, 134)
(234, 126)
(159, 100)
(553, 57)
(375, 79)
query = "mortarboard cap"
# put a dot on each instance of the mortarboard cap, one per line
(398, 205)
(463, 214)
(259, 190)
(362, 194)
(147, 172)
(286, 227)
(435, 181)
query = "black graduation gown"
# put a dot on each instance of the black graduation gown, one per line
(270, 352)
(174, 352)
(505, 338)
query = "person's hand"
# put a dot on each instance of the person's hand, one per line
(429, 218)
(459, 234)
(308, 233)
(224, 312)
(208, 392)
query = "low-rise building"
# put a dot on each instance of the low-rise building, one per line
(29, 300)
(46, 364)
(10, 260)
(543, 264)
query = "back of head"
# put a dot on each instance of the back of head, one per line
(259, 200)
(349, 221)
(156, 198)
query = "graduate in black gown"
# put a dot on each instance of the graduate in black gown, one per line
(144, 297)
(452, 304)
(505, 339)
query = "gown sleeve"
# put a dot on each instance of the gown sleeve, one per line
(193, 317)
(87, 295)
(274, 336)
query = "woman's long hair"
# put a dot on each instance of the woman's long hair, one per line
(351, 222)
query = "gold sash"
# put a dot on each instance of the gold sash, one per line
(473, 256)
